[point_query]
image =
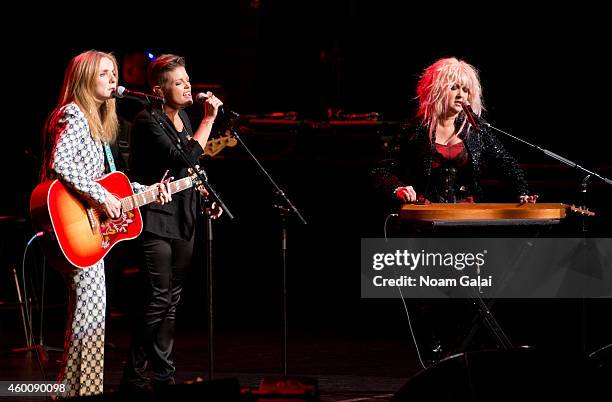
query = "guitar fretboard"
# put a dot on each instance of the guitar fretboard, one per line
(152, 195)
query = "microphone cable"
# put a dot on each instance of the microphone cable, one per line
(386, 223)
(399, 289)
(27, 309)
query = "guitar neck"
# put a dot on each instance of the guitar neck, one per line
(152, 195)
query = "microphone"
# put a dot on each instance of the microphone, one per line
(470, 115)
(201, 98)
(230, 114)
(122, 92)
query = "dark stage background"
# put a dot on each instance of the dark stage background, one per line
(544, 79)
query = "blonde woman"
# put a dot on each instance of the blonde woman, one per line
(441, 159)
(76, 136)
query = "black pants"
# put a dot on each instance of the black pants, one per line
(165, 263)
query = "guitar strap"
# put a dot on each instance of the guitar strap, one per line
(109, 157)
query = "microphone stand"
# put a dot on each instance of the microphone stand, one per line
(587, 173)
(585, 182)
(285, 209)
(174, 137)
(554, 156)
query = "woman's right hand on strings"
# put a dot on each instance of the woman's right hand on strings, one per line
(112, 206)
(405, 194)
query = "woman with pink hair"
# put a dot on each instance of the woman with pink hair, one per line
(442, 158)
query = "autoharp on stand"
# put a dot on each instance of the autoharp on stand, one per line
(489, 212)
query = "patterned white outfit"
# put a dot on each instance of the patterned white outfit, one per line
(83, 362)
(78, 159)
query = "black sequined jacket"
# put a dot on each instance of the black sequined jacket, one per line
(411, 164)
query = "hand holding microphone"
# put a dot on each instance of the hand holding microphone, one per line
(212, 105)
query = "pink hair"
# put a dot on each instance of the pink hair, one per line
(434, 86)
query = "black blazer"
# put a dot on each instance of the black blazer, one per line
(151, 154)
(411, 164)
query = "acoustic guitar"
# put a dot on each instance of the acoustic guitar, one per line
(84, 234)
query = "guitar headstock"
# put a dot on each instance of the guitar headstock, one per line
(581, 211)
(215, 145)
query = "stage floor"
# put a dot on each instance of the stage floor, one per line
(347, 366)
(357, 363)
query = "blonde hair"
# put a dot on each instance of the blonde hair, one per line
(434, 86)
(79, 85)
